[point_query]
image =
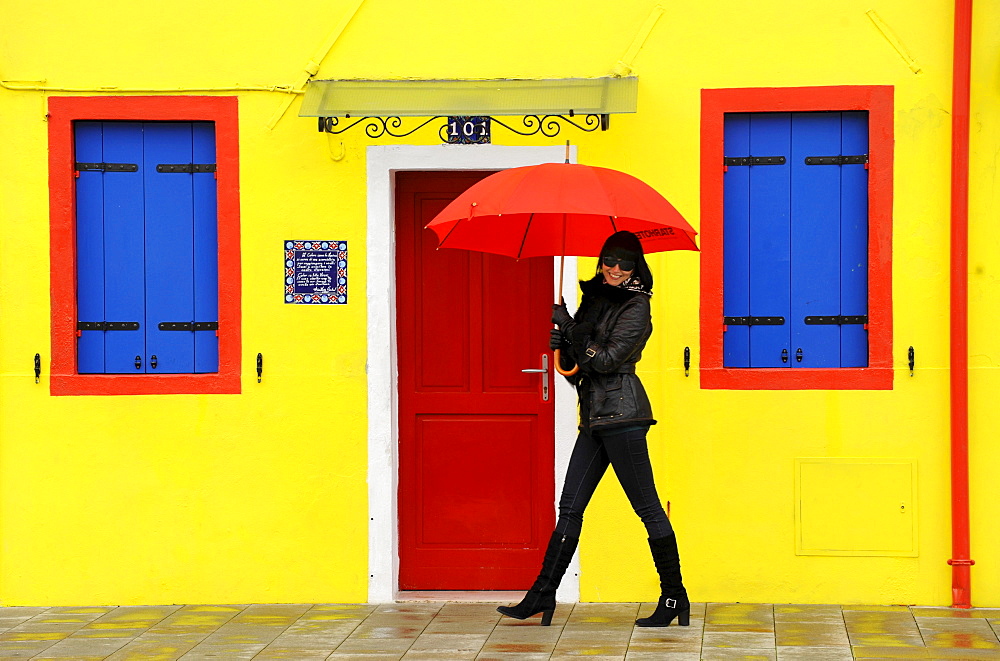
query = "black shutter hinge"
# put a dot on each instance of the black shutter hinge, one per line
(837, 320)
(753, 321)
(188, 168)
(107, 325)
(754, 160)
(106, 167)
(837, 160)
(188, 325)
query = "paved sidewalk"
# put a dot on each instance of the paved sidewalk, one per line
(462, 630)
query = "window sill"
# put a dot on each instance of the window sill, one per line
(865, 378)
(136, 384)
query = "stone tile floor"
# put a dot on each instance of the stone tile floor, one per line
(462, 630)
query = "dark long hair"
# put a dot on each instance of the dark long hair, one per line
(626, 245)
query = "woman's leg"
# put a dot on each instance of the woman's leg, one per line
(587, 464)
(630, 457)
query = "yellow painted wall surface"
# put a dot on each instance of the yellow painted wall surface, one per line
(262, 496)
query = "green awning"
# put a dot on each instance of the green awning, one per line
(431, 98)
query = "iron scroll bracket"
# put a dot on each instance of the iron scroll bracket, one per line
(547, 125)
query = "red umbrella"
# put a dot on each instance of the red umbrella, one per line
(559, 209)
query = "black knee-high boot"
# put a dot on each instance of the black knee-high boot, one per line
(541, 598)
(673, 597)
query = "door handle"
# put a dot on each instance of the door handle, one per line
(544, 371)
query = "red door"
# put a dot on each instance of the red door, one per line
(475, 496)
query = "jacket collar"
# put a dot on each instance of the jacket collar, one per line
(597, 288)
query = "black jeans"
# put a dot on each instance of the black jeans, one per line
(626, 452)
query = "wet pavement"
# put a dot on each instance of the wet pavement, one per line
(462, 630)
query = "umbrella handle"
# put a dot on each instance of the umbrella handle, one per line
(558, 365)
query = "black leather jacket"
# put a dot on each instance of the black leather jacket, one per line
(605, 339)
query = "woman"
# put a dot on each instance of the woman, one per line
(606, 339)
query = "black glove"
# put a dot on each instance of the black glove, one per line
(560, 315)
(579, 337)
(555, 339)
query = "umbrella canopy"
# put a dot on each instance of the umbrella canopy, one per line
(559, 209)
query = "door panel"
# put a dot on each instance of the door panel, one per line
(475, 497)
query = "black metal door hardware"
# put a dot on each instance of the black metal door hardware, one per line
(188, 325)
(38, 367)
(185, 168)
(107, 325)
(837, 320)
(837, 160)
(106, 167)
(753, 160)
(753, 321)
(260, 366)
(687, 360)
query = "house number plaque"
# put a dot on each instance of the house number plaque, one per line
(469, 130)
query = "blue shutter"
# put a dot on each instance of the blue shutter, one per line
(147, 247)
(815, 239)
(90, 246)
(795, 240)
(206, 250)
(736, 241)
(770, 256)
(169, 248)
(854, 240)
(125, 296)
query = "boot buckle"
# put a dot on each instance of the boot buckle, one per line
(670, 603)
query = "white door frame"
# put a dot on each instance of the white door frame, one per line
(383, 428)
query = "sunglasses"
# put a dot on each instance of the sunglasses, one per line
(624, 264)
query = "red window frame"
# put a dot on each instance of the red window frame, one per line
(877, 100)
(63, 112)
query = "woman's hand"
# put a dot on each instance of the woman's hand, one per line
(555, 339)
(560, 315)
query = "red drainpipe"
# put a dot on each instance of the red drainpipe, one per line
(960, 561)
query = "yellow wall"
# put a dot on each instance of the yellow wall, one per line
(262, 496)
